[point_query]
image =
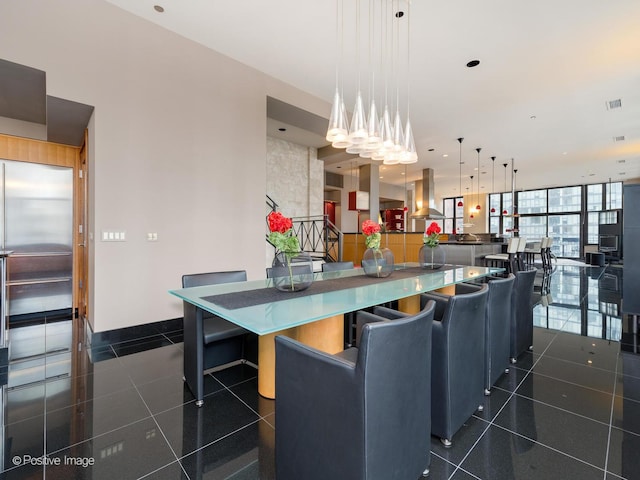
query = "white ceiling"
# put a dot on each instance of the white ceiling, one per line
(548, 70)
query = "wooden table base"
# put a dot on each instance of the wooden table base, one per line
(326, 335)
(412, 304)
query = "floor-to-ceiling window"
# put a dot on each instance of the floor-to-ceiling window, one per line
(453, 215)
(571, 215)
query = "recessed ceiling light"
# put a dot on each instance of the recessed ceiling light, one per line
(592, 174)
(473, 63)
(445, 155)
(158, 8)
(282, 129)
(622, 173)
(399, 14)
(622, 161)
(431, 149)
(564, 153)
(619, 138)
(533, 117)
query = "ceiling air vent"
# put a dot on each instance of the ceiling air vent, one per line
(619, 138)
(612, 104)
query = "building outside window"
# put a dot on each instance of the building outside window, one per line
(556, 212)
(532, 201)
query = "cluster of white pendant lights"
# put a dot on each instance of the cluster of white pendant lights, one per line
(370, 135)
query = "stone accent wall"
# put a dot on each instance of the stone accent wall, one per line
(295, 178)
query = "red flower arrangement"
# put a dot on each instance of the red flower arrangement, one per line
(432, 235)
(371, 230)
(281, 236)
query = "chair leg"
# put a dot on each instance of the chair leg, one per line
(446, 442)
(487, 392)
(426, 472)
(481, 408)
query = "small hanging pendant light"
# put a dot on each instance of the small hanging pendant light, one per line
(460, 204)
(478, 207)
(504, 212)
(493, 179)
(471, 216)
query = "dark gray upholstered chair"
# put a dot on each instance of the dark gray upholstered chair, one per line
(522, 313)
(211, 341)
(457, 363)
(335, 266)
(363, 414)
(496, 327)
(304, 269)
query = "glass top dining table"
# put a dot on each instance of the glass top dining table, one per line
(258, 307)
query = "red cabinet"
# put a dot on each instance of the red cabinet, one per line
(394, 220)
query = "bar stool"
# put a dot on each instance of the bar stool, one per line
(545, 253)
(519, 257)
(531, 252)
(505, 260)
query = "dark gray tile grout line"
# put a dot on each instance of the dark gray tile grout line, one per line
(613, 402)
(161, 431)
(491, 422)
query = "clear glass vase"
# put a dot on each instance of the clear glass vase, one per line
(292, 271)
(377, 262)
(431, 257)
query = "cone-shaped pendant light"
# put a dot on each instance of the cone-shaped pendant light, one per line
(374, 140)
(398, 133)
(409, 154)
(392, 156)
(358, 129)
(366, 134)
(386, 130)
(337, 123)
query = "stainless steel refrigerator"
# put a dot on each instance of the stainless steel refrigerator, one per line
(37, 226)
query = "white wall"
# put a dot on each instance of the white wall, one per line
(178, 147)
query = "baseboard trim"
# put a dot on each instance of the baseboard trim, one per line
(118, 335)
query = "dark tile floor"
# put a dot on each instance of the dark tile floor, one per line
(568, 410)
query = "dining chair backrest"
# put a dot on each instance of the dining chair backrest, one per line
(334, 266)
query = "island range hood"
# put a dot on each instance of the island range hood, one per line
(428, 199)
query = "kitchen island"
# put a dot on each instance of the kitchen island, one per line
(406, 245)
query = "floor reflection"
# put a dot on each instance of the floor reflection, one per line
(583, 300)
(568, 409)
